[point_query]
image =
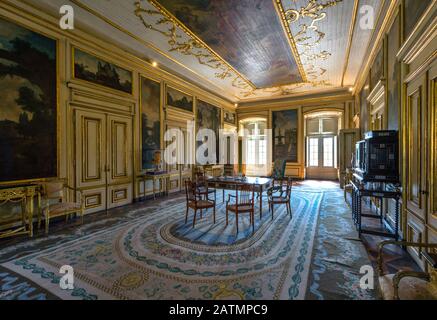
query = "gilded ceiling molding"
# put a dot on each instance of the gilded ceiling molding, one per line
(314, 11)
(351, 36)
(168, 26)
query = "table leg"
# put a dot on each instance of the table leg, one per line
(31, 216)
(261, 202)
(154, 183)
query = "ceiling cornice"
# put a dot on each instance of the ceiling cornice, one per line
(314, 98)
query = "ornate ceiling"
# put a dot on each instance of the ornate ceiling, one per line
(241, 49)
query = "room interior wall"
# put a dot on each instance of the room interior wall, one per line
(409, 50)
(74, 93)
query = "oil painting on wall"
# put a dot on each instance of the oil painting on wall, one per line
(178, 99)
(393, 76)
(285, 134)
(208, 117)
(230, 117)
(28, 104)
(414, 9)
(150, 121)
(90, 68)
(377, 71)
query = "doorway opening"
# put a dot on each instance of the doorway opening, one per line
(322, 145)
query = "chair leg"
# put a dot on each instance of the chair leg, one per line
(194, 219)
(289, 208)
(253, 222)
(236, 220)
(186, 215)
(213, 212)
(47, 224)
(273, 209)
(201, 213)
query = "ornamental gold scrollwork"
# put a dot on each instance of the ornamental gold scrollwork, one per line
(167, 26)
(306, 40)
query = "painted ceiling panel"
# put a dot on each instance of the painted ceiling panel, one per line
(243, 50)
(246, 33)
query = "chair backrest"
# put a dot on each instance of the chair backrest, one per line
(279, 169)
(245, 194)
(190, 191)
(54, 189)
(200, 177)
(286, 184)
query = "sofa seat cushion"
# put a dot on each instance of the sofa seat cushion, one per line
(410, 288)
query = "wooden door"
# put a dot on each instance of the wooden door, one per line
(119, 160)
(103, 159)
(416, 131)
(432, 185)
(90, 158)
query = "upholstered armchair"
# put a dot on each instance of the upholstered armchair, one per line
(409, 285)
(54, 202)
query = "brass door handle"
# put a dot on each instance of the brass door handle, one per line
(424, 192)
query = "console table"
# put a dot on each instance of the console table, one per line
(24, 195)
(360, 191)
(161, 177)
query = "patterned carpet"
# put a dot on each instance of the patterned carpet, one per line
(150, 253)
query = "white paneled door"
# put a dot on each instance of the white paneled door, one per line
(103, 159)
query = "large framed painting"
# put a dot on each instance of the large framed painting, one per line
(393, 74)
(364, 114)
(28, 104)
(180, 100)
(377, 71)
(230, 117)
(93, 69)
(413, 10)
(285, 135)
(209, 117)
(150, 121)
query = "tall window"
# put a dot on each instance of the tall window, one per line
(256, 147)
(313, 152)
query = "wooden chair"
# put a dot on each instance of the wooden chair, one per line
(202, 187)
(244, 203)
(414, 285)
(197, 201)
(284, 196)
(347, 185)
(54, 204)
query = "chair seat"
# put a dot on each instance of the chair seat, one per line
(201, 204)
(348, 187)
(62, 208)
(410, 288)
(279, 200)
(241, 208)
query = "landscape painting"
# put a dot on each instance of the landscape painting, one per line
(377, 71)
(285, 134)
(90, 68)
(150, 121)
(208, 117)
(394, 74)
(28, 104)
(178, 99)
(229, 117)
